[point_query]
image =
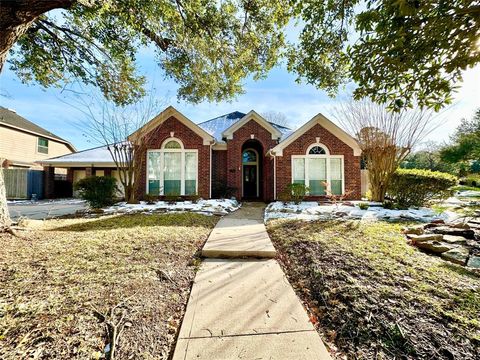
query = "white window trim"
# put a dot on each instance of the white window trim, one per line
(38, 145)
(326, 156)
(183, 151)
(251, 163)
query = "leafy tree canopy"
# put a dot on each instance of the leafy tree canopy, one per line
(465, 142)
(208, 47)
(407, 51)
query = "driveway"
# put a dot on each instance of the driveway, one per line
(45, 209)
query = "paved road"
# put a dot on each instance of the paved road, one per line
(44, 209)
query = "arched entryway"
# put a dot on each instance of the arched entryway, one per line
(252, 171)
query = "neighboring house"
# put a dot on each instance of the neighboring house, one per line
(243, 155)
(22, 142)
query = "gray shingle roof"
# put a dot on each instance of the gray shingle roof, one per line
(11, 118)
(218, 125)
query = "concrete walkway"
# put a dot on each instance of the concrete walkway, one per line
(244, 308)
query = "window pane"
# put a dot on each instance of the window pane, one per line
(172, 172)
(336, 172)
(172, 145)
(249, 156)
(154, 173)
(298, 171)
(190, 173)
(317, 176)
(317, 150)
(42, 146)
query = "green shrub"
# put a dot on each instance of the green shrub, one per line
(150, 199)
(293, 192)
(414, 187)
(472, 180)
(363, 206)
(97, 191)
(388, 204)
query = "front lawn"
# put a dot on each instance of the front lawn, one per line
(372, 296)
(58, 283)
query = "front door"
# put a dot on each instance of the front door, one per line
(250, 179)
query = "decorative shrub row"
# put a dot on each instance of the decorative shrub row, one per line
(414, 187)
(97, 191)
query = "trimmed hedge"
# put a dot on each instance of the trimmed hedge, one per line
(415, 187)
(97, 191)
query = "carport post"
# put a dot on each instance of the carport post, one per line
(49, 182)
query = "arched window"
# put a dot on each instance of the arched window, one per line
(249, 156)
(321, 172)
(317, 150)
(172, 144)
(172, 170)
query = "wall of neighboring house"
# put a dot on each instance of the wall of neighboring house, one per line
(335, 146)
(22, 147)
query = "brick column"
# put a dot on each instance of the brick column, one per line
(89, 171)
(49, 182)
(108, 172)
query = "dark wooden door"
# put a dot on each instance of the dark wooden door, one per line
(250, 178)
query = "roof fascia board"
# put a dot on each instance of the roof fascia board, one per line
(252, 115)
(39, 134)
(325, 123)
(166, 114)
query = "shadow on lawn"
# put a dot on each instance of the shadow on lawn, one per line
(141, 220)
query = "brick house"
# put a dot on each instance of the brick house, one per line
(245, 156)
(237, 154)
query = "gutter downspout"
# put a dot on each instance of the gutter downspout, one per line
(271, 153)
(211, 161)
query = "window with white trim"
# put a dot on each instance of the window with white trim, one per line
(42, 145)
(319, 170)
(172, 170)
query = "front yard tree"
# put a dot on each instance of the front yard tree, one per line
(207, 47)
(110, 125)
(465, 145)
(4, 214)
(399, 52)
(385, 137)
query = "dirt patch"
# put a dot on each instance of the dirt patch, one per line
(372, 296)
(56, 281)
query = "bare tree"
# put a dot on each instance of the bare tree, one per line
(385, 137)
(277, 118)
(4, 214)
(111, 125)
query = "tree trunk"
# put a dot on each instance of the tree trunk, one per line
(4, 214)
(16, 17)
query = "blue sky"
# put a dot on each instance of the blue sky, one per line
(278, 92)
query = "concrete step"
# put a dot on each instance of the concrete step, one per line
(236, 238)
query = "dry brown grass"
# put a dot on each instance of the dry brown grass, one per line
(373, 296)
(53, 280)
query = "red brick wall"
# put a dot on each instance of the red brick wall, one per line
(190, 139)
(335, 146)
(234, 158)
(219, 170)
